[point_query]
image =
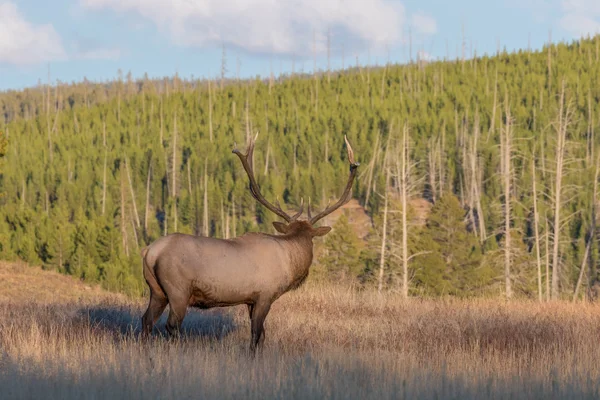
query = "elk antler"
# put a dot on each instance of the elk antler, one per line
(246, 160)
(346, 196)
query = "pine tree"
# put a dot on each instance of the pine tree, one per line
(341, 251)
(453, 247)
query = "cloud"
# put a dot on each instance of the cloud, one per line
(423, 23)
(268, 26)
(23, 43)
(581, 17)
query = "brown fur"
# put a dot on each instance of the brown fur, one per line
(254, 269)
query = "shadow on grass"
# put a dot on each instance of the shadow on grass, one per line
(126, 321)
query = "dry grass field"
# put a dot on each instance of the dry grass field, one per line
(322, 342)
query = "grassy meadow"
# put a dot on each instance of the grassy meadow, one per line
(321, 342)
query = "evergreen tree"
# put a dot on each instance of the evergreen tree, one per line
(454, 264)
(341, 252)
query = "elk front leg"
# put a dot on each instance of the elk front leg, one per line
(259, 314)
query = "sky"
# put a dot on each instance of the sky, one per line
(69, 40)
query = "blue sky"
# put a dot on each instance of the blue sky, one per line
(96, 38)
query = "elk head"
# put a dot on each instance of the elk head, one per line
(292, 224)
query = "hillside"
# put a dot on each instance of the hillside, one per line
(496, 158)
(21, 283)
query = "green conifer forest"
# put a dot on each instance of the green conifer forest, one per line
(479, 176)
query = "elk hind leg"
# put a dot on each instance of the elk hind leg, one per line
(176, 316)
(155, 309)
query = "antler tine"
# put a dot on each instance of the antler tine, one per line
(350, 152)
(347, 195)
(246, 160)
(308, 210)
(299, 213)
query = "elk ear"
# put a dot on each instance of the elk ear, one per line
(321, 231)
(281, 227)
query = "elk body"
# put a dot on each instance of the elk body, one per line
(254, 269)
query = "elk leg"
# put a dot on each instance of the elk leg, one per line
(259, 314)
(155, 309)
(176, 316)
(262, 336)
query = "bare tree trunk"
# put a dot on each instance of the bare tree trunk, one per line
(562, 133)
(384, 234)
(472, 178)
(582, 270)
(222, 220)
(135, 212)
(174, 179)
(227, 222)
(371, 170)
(536, 231)
(147, 211)
(403, 196)
(205, 219)
(234, 212)
(267, 158)
(441, 154)
(432, 168)
(166, 155)
(506, 173)
(476, 174)
(480, 218)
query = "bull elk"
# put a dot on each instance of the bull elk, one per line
(254, 269)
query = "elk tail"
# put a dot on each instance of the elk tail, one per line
(149, 273)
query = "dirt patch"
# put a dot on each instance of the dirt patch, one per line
(357, 217)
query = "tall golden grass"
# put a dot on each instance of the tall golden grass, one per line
(321, 342)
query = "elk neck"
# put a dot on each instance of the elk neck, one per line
(300, 249)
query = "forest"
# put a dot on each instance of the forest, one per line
(479, 176)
